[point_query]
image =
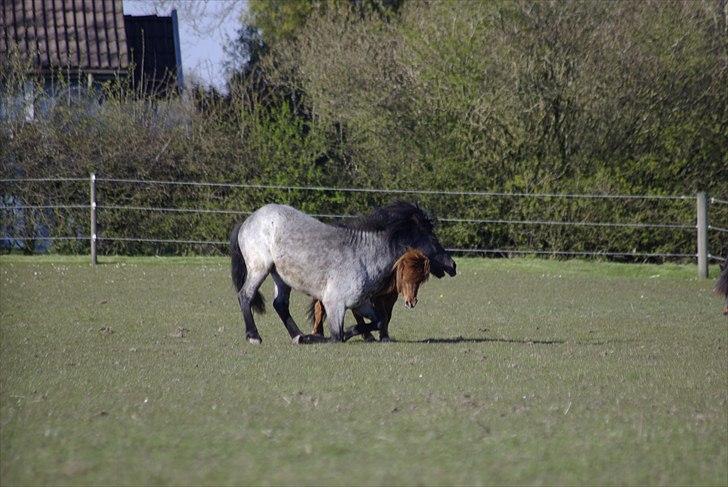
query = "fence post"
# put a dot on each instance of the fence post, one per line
(702, 235)
(93, 219)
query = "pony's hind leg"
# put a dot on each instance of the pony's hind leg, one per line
(362, 328)
(246, 298)
(361, 324)
(319, 314)
(281, 305)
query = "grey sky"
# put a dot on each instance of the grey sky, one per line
(205, 27)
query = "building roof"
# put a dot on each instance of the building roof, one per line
(80, 34)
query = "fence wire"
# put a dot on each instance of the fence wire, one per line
(43, 207)
(162, 240)
(568, 252)
(447, 220)
(40, 180)
(675, 226)
(571, 223)
(173, 210)
(450, 249)
(393, 191)
(79, 238)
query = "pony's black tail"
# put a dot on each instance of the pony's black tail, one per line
(238, 270)
(721, 287)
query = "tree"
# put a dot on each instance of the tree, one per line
(282, 20)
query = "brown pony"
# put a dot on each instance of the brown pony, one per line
(408, 273)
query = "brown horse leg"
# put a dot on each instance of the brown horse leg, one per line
(319, 313)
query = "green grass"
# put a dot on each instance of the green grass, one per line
(516, 371)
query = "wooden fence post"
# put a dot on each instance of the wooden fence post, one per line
(93, 219)
(702, 235)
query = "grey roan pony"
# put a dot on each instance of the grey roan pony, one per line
(343, 267)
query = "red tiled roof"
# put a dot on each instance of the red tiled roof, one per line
(83, 34)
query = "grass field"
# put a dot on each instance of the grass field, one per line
(520, 371)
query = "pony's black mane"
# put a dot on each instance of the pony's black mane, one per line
(398, 220)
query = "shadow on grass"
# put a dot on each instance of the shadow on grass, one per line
(460, 339)
(523, 341)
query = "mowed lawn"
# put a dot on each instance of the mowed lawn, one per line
(515, 371)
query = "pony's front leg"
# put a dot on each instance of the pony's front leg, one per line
(383, 305)
(363, 328)
(335, 311)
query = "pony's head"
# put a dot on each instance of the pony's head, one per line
(411, 270)
(407, 225)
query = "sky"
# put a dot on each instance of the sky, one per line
(205, 27)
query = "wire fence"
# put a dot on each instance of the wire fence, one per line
(394, 191)
(97, 204)
(448, 220)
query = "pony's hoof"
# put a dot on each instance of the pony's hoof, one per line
(255, 340)
(385, 339)
(369, 338)
(306, 339)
